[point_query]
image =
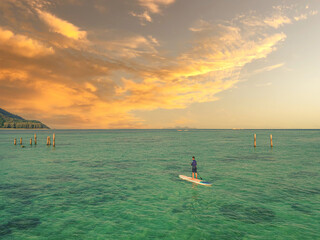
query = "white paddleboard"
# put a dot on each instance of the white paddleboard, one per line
(197, 181)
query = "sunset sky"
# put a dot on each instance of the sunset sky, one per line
(161, 63)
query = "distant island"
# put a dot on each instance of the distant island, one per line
(9, 120)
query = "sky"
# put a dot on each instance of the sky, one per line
(154, 64)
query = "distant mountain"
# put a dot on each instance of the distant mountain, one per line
(9, 120)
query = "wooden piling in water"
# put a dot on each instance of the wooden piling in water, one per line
(254, 140)
(30, 141)
(20, 141)
(35, 139)
(47, 140)
(15, 141)
(271, 143)
(54, 140)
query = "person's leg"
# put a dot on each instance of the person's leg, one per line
(196, 175)
(193, 175)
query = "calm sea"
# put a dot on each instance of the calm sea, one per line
(124, 184)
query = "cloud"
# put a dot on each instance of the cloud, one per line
(61, 26)
(100, 8)
(200, 25)
(277, 21)
(268, 68)
(198, 75)
(22, 45)
(305, 15)
(274, 21)
(143, 17)
(154, 5)
(102, 84)
(281, 16)
(301, 17)
(130, 46)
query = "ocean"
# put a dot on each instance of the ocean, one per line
(124, 184)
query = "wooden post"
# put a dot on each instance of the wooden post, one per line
(21, 141)
(35, 139)
(15, 141)
(30, 141)
(271, 143)
(47, 140)
(54, 140)
(255, 140)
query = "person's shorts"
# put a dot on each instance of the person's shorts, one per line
(194, 169)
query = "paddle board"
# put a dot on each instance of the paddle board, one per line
(197, 181)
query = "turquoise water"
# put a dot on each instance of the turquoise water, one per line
(123, 184)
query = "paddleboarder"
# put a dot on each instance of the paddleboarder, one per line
(194, 167)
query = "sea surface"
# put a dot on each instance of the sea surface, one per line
(124, 184)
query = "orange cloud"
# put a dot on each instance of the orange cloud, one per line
(61, 26)
(103, 83)
(277, 21)
(22, 45)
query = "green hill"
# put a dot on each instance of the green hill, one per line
(9, 120)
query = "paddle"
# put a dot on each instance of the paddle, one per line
(199, 176)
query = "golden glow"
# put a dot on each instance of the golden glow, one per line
(22, 45)
(70, 78)
(61, 26)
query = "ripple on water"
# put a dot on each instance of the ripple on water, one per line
(233, 234)
(104, 197)
(174, 168)
(6, 186)
(301, 208)
(24, 223)
(177, 210)
(229, 159)
(20, 193)
(19, 224)
(301, 192)
(4, 230)
(302, 174)
(93, 164)
(174, 177)
(62, 177)
(101, 175)
(247, 214)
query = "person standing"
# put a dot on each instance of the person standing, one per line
(194, 168)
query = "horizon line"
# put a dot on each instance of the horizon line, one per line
(160, 129)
